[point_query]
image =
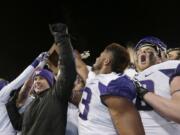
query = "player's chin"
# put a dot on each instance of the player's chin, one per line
(144, 65)
(39, 90)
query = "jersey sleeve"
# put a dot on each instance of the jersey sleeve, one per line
(122, 87)
(178, 69)
(176, 73)
(15, 84)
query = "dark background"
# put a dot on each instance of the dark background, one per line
(24, 29)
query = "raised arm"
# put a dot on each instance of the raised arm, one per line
(24, 92)
(67, 76)
(81, 67)
(40, 61)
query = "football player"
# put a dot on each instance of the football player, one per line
(158, 107)
(106, 106)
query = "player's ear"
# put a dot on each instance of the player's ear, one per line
(107, 61)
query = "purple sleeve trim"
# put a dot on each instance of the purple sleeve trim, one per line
(35, 63)
(122, 87)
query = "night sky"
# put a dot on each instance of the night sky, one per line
(92, 25)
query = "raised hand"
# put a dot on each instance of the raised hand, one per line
(41, 57)
(58, 30)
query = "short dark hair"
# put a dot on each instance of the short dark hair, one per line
(121, 58)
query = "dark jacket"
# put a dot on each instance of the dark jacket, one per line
(47, 114)
(13, 113)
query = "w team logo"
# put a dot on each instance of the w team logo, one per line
(37, 72)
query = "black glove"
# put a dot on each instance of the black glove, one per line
(58, 30)
(141, 91)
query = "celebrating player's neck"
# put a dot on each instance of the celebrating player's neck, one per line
(103, 70)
